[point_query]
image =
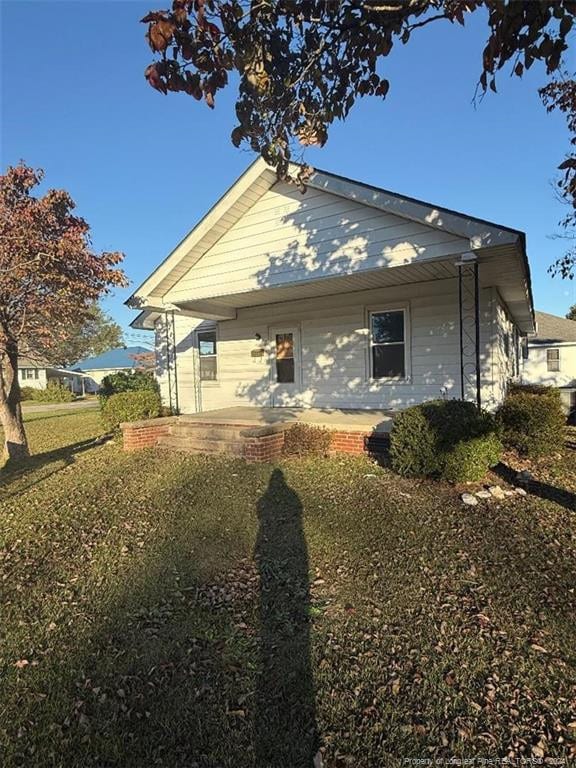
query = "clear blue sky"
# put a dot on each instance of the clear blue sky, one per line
(144, 167)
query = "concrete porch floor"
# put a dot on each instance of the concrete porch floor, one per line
(342, 419)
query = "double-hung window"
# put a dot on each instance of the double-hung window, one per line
(388, 344)
(553, 359)
(207, 354)
(29, 373)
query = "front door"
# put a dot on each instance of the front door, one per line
(285, 374)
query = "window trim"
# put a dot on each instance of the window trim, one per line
(556, 360)
(198, 332)
(375, 310)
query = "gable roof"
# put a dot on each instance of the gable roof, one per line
(259, 178)
(114, 358)
(553, 329)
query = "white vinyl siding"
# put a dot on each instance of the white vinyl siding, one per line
(32, 377)
(288, 237)
(335, 347)
(536, 367)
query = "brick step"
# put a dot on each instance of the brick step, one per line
(201, 445)
(206, 431)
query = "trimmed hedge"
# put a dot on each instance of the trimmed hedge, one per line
(127, 381)
(130, 406)
(532, 420)
(54, 393)
(469, 460)
(450, 439)
(26, 393)
(306, 440)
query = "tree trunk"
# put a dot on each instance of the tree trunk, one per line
(15, 441)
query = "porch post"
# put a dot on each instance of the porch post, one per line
(171, 368)
(469, 322)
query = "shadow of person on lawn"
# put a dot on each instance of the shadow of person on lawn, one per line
(285, 719)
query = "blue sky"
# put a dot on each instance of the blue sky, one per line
(143, 167)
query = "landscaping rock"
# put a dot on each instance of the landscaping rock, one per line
(509, 492)
(496, 492)
(484, 494)
(469, 499)
(520, 491)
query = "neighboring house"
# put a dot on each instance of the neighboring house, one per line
(113, 361)
(346, 296)
(38, 374)
(550, 356)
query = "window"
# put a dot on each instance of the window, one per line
(207, 354)
(525, 350)
(388, 344)
(285, 358)
(553, 359)
(30, 373)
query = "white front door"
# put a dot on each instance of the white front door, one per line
(285, 372)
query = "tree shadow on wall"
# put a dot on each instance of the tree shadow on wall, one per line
(285, 721)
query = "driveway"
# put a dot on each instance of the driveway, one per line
(77, 405)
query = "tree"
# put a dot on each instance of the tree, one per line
(571, 314)
(301, 64)
(50, 278)
(560, 94)
(94, 333)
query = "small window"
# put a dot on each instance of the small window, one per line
(553, 359)
(525, 349)
(29, 373)
(285, 358)
(387, 345)
(207, 354)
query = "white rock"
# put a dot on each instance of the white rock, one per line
(496, 491)
(508, 492)
(520, 491)
(469, 499)
(484, 494)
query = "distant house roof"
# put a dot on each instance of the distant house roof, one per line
(552, 329)
(115, 358)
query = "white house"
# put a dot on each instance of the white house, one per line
(37, 374)
(345, 296)
(110, 362)
(550, 356)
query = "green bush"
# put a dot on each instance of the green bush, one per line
(55, 392)
(412, 444)
(127, 381)
(306, 440)
(130, 406)
(26, 393)
(450, 439)
(532, 420)
(469, 460)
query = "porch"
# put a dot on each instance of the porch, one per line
(343, 419)
(257, 433)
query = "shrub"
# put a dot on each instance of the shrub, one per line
(469, 460)
(306, 440)
(532, 420)
(55, 392)
(130, 406)
(127, 381)
(412, 444)
(26, 393)
(451, 439)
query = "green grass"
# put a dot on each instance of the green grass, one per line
(165, 610)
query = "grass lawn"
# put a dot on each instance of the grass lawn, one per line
(166, 610)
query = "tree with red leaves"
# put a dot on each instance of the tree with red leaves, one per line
(301, 64)
(50, 278)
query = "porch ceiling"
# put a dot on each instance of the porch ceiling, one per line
(499, 267)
